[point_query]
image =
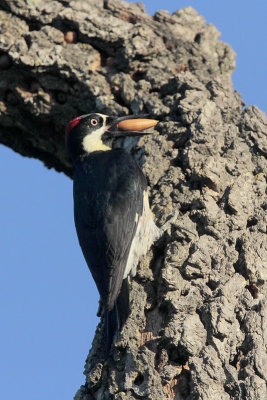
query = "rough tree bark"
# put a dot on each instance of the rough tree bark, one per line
(198, 326)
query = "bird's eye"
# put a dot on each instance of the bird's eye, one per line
(94, 121)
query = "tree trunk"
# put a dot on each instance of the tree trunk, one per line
(197, 328)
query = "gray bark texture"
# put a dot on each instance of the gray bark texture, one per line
(198, 322)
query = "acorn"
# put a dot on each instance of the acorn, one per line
(136, 124)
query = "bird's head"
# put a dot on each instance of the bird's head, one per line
(88, 133)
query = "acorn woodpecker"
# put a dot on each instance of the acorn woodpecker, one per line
(113, 220)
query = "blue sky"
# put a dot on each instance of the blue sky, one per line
(48, 300)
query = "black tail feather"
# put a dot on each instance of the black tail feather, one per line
(116, 318)
(122, 303)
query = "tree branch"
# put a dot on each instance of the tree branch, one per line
(197, 328)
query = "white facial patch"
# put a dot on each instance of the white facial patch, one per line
(93, 141)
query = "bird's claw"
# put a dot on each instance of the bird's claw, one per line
(169, 222)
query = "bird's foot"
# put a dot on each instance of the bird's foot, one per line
(169, 222)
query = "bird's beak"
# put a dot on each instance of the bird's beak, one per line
(130, 125)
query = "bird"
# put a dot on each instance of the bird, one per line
(113, 220)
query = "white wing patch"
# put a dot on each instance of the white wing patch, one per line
(146, 233)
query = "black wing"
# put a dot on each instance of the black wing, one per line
(107, 203)
(120, 227)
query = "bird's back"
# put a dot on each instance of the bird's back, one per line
(108, 196)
